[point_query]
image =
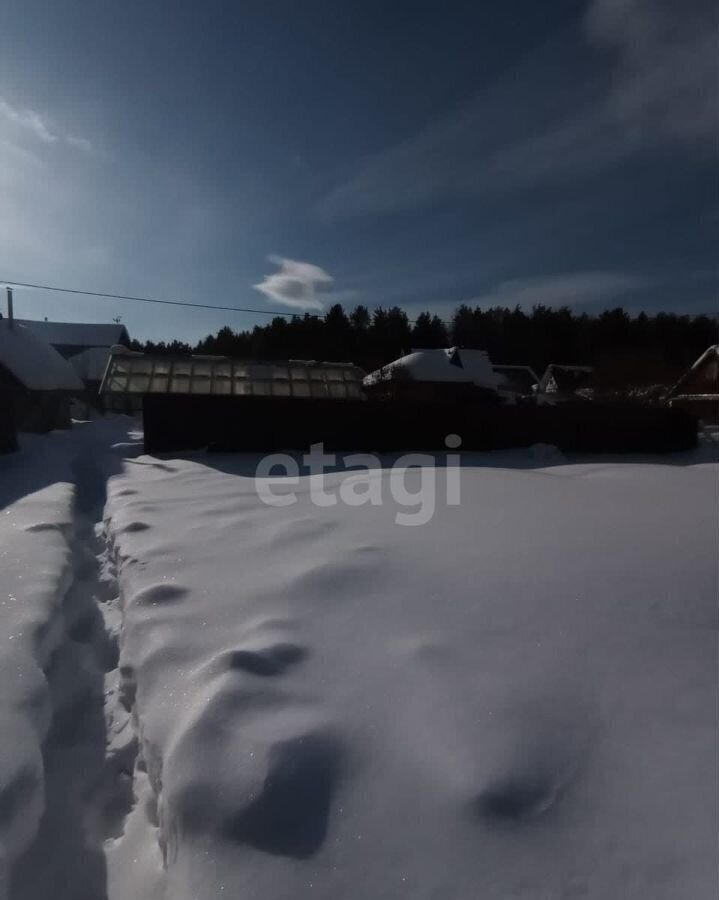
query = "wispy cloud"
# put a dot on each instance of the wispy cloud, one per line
(295, 285)
(29, 120)
(568, 289)
(664, 84)
(31, 123)
(80, 143)
(537, 125)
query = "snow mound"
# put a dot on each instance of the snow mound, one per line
(34, 574)
(516, 699)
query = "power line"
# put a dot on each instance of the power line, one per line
(47, 287)
(187, 304)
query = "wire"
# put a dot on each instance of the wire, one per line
(188, 304)
(47, 287)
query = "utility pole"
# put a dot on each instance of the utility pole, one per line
(9, 308)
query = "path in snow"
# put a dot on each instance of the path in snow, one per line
(91, 748)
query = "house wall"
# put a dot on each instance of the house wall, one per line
(34, 411)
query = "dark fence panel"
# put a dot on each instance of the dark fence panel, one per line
(8, 431)
(704, 408)
(176, 423)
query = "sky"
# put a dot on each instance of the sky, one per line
(278, 155)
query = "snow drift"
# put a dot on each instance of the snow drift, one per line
(515, 700)
(205, 696)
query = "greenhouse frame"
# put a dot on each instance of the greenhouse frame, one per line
(130, 373)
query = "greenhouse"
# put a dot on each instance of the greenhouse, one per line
(136, 373)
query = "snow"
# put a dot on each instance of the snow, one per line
(78, 334)
(515, 700)
(34, 363)
(452, 365)
(46, 676)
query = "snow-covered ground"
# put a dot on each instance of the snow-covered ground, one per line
(221, 698)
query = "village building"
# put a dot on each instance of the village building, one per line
(561, 382)
(698, 389)
(452, 375)
(85, 345)
(36, 383)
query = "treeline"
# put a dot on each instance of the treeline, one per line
(640, 349)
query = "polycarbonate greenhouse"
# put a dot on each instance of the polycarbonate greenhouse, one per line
(136, 373)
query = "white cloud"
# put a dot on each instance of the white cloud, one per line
(31, 123)
(569, 289)
(540, 124)
(296, 284)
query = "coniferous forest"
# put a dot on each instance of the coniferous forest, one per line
(625, 349)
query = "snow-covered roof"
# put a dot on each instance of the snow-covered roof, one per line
(90, 364)
(449, 365)
(78, 334)
(35, 364)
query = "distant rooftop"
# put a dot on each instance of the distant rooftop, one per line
(454, 364)
(78, 334)
(33, 362)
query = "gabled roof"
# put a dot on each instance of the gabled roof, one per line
(78, 334)
(451, 365)
(690, 380)
(565, 379)
(35, 364)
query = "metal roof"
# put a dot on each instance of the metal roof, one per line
(35, 364)
(77, 334)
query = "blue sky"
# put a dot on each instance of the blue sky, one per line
(290, 155)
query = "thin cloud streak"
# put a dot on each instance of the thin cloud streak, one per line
(295, 285)
(547, 130)
(567, 289)
(30, 122)
(80, 143)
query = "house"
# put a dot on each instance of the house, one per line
(518, 381)
(446, 375)
(71, 338)
(35, 380)
(564, 382)
(698, 389)
(85, 345)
